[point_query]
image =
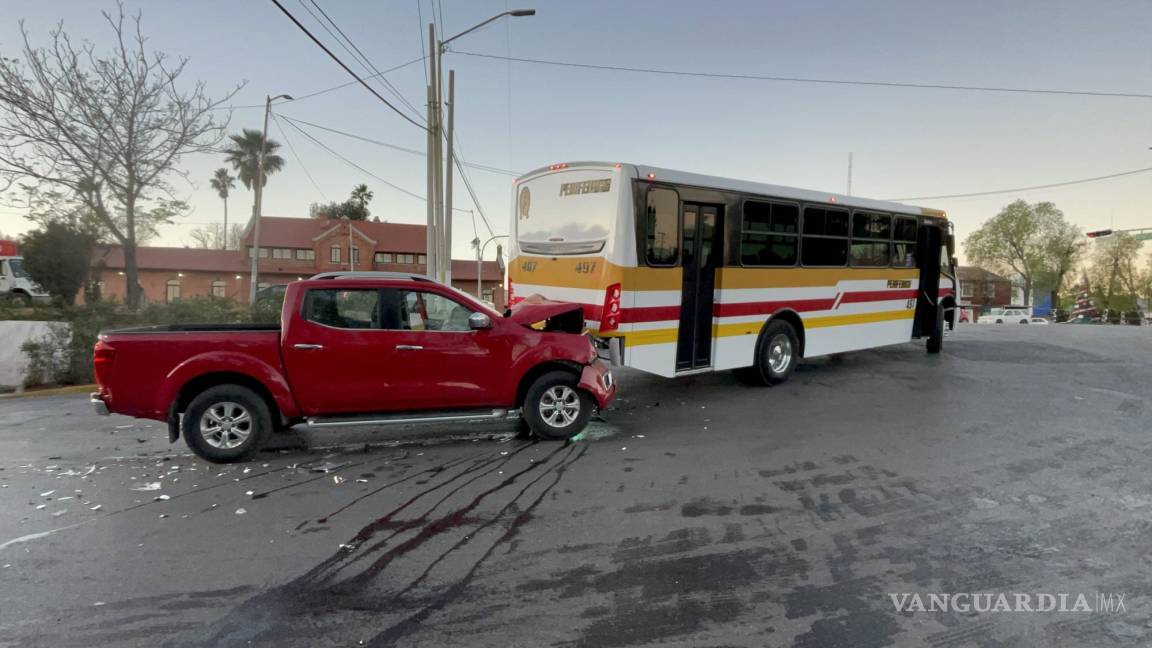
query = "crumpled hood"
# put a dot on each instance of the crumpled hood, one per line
(537, 309)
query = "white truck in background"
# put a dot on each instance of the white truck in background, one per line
(15, 284)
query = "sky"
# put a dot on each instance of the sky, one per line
(519, 116)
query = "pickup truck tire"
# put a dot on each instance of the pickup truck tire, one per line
(226, 423)
(555, 408)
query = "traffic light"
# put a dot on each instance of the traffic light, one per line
(1100, 233)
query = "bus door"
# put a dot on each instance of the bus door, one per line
(929, 241)
(702, 248)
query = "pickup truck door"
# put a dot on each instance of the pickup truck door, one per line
(378, 350)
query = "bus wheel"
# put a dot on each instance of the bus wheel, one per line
(777, 353)
(936, 339)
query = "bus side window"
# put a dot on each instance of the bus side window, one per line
(769, 234)
(825, 239)
(904, 243)
(662, 227)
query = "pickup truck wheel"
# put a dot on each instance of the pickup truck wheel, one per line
(555, 408)
(226, 423)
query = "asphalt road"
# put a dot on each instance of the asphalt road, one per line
(701, 512)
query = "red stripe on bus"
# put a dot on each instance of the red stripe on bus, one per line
(877, 295)
(733, 309)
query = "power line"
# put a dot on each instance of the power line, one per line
(481, 167)
(283, 134)
(350, 83)
(356, 166)
(757, 77)
(359, 55)
(420, 30)
(1046, 186)
(458, 160)
(345, 66)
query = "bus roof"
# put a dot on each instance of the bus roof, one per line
(745, 186)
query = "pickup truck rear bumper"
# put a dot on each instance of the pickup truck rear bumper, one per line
(597, 379)
(98, 404)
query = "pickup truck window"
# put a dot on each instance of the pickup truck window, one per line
(348, 309)
(426, 311)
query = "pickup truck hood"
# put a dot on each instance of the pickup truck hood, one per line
(538, 309)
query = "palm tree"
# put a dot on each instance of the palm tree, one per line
(362, 196)
(222, 182)
(244, 156)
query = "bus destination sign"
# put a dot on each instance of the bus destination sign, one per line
(586, 187)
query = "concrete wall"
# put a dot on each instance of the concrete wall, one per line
(13, 334)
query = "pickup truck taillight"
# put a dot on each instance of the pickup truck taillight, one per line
(102, 357)
(610, 316)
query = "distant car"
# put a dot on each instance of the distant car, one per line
(271, 292)
(1039, 320)
(1007, 316)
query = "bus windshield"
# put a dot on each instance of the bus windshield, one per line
(569, 212)
(17, 266)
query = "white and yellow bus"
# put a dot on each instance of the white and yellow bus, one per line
(680, 273)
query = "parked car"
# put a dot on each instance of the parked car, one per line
(1039, 320)
(1006, 316)
(357, 349)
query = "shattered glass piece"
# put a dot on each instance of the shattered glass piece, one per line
(161, 498)
(241, 511)
(143, 488)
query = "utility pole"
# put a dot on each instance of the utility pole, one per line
(439, 239)
(256, 208)
(849, 193)
(448, 173)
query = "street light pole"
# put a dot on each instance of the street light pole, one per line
(440, 179)
(256, 208)
(480, 263)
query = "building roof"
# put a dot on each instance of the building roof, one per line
(285, 232)
(976, 273)
(173, 258)
(466, 270)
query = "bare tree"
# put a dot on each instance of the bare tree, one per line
(107, 128)
(217, 236)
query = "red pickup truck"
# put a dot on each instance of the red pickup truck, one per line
(356, 349)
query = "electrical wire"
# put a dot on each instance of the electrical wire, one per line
(1046, 186)
(357, 166)
(345, 66)
(359, 55)
(757, 77)
(276, 120)
(481, 167)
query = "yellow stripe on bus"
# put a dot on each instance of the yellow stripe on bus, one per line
(669, 335)
(858, 318)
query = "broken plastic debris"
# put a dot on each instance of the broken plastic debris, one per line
(98, 603)
(241, 511)
(40, 507)
(163, 515)
(247, 470)
(326, 467)
(150, 486)
(97, 507)
(59, 513)
(348, 547)
(249, 493)
(47, 493)
(361, 481)
(337, 479)
(161, 498)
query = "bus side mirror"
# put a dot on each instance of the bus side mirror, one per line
(952, 263)
(500, 258)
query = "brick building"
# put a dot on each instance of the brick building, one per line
(290, 249)
(983, 289)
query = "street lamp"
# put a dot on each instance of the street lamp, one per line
(440, 174)
(480, 260)
(260, 195)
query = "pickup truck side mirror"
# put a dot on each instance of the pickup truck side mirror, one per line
(479, 321)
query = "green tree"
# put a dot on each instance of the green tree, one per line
(1020, 239)
(361, 195)
(355, 208)
(223, 183)
(57, 257)
(1114, 272)
(107, 130)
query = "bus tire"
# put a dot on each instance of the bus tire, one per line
(777, 352)
(936, 339)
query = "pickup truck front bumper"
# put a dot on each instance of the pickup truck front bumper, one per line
(597, 379)
(98, 404)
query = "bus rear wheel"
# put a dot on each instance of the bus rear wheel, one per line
(777, 353)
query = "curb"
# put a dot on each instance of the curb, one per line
(53, 391)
